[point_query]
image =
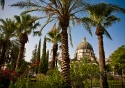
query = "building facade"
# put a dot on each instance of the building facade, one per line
(84, 49)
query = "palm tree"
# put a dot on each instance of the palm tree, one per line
(54, 36)
(101, 16)
(7, 38)
(26, 24)
(61, 11)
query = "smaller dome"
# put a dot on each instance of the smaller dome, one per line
(84, 45)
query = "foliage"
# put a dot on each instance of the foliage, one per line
(21, 83)
(55, 11)
(51, 79)
(23, 68)
(34, 59)
(25, 25)
(34, 52)
(6, 76)
(43, 66)
(82, 71)
(8, 42)
(38, 55)
(54, 36)
(62, 12)
(47, 59)
(101, 16)
(118, 58)
(2, 3)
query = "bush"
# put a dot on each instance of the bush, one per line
(52, 79)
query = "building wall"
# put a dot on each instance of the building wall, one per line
(84, 52)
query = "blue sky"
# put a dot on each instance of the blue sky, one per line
(117, 31)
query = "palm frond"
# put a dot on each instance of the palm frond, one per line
(54, 35)
(72, 19)
(88, 23)
(20, 4)
(2, 21)
(107, 34)
(48, 40)
(116, 8)
(51, 34)
(70, 36)
(25, 4)
(31, 10)
(17, 18)
(54, 2)
(35, 33)
(47, 21)
(110, 20)
(2, 3)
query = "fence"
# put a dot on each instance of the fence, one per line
(116, 81)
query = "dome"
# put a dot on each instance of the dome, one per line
(84, 45)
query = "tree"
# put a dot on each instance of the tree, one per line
(8, 41)
(82, 71)
(101, 16)
(34, 59)
(47, 60)
(61, 11)
(118, 58)
(26, 24)
(34, 54)
(43, 66)
(54, 37)
(38, 55)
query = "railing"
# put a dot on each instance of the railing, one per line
(113, 82)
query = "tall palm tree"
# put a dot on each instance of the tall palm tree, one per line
(25, 25)
(101, 16)
(54, 36)
(61, 11)
(7, 38)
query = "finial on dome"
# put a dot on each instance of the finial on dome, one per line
(84, 39)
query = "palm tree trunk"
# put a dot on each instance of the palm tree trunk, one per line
(65, 60)
(55, 48)
(3, 53)
(103, 75)
(20, 55)
(23, 41)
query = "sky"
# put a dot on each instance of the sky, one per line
(117, 31)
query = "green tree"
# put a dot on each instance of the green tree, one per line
(8, 41)
(118, 58)
(54, 36)
(26, 24)
(47, 60)
(82, 71)
(43, 62)
(38, 55)
(64, 12)
(34, 58)
(101, 16)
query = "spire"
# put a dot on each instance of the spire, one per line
(84, 39)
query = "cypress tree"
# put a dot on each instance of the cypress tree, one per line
(42, 65)
(47, 59)
(34, 58)
(38, 55)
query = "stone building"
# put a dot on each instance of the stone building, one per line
(84, 49)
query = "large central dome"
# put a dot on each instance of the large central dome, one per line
(84, 45)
